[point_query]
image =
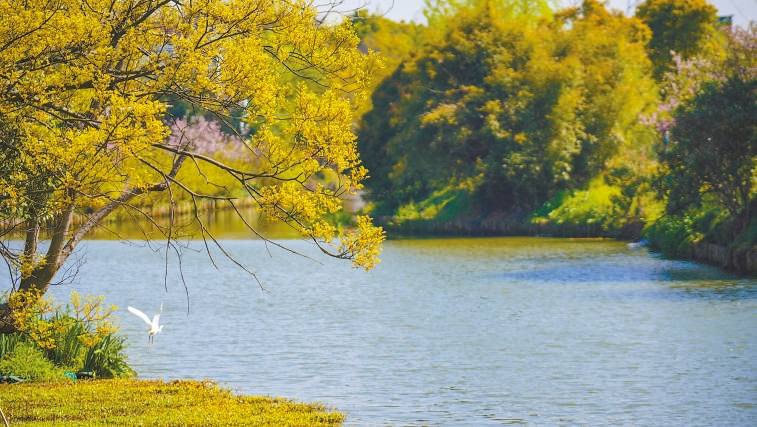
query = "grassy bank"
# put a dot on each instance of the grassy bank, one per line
(152, 403)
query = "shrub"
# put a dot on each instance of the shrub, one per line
(593, 206)
(673, 235)
(79, 336)
(749, 237)
(29, 362)
(8, 343)
(106, 359)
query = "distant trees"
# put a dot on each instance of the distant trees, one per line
(713, 148)
(395, 42)
(710, 158)
(679, 27)
(507, 108)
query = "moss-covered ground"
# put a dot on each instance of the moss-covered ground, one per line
(122, 402)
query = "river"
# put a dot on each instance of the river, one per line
(449, 332)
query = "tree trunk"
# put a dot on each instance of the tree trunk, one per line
(43, 274)
(7, 321)
(63, 242)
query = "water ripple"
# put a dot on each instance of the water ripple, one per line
(519, 331)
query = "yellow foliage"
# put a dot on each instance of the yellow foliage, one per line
(43, 319)
(155, 403)
(364, 242)
(84, 88)
(443, 114)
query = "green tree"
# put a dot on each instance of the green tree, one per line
(683, 27)
(419, 138)
(507, 111)
(394, 41)
(438, 12)
(83, 93)
(711, 150)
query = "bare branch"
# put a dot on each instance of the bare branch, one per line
(125, 196)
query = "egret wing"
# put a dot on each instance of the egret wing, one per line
(140, 314)
(157, 316)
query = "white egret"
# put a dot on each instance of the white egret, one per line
(155, 328)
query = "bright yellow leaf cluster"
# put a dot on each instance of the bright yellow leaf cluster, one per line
(364, 242)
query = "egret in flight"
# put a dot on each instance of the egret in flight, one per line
(155, 328)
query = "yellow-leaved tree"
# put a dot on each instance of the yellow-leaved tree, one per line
(84, 129)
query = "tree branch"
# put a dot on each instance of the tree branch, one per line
(125, 196)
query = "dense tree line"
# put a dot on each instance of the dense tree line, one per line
(507, 110)
(575, 116)
(708, 158)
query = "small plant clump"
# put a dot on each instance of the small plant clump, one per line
(28, 361)
(154, 403)
(56, 341)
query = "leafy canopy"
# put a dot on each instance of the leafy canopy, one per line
(84, 128)
(511, 107)
(395, 41)
(709, 120)
(679, 27)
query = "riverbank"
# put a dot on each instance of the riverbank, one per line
(152, 403)
(503, 226)
(740, 260)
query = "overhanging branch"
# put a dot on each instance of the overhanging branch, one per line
(122, 199)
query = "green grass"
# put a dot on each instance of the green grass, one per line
(132, 402)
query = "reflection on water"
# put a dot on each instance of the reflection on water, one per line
(219, 222)
(128, 224)
(477, 332)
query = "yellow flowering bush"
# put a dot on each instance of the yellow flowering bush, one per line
(72, 335)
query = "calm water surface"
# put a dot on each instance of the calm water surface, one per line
(523, 331)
